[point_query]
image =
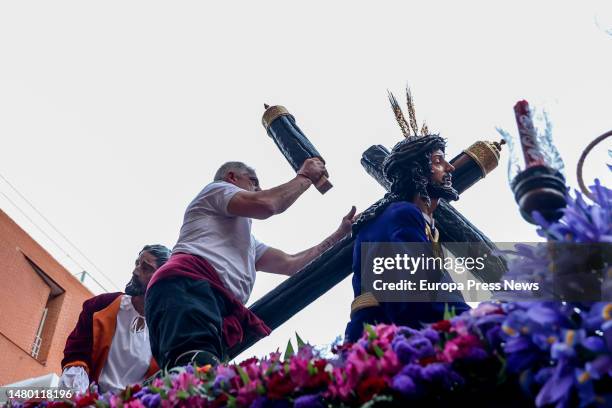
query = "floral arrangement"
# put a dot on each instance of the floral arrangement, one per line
(498, 354)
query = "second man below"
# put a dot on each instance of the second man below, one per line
(195, 303)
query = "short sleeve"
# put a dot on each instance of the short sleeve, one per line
(260, 248)
(219, 196)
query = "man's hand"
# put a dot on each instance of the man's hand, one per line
(347, 223)
(276, 261)
(313, 169)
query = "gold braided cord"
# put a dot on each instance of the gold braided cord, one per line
(399, 115)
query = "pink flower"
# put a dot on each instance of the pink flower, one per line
(389, 363)
(486, 308)
(135, 403)
(158, 383)
(385, 333)
(116, 401)
(461, 347)
(298, 368)
(185, 380)
(340, 388)
(247, 394)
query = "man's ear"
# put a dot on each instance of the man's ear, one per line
(230, 176)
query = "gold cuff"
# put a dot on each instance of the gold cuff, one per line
(485, 154)
(363, 301)
(272, 113)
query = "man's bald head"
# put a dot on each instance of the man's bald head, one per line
(238, 174)
(235, 166)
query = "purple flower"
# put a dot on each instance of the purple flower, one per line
(259, 402)
(413, 348)
(543, 315)
(431, 335)
(404, 385)
(151, 400)
(544, 375)
(582, 222)
(142, 392)
(422, 346)
(412, 370)
(599, 367)
(599, 313)
(557, 389)
(521, 353)
(594, 344)
(407, 331)
(606, 328)
(562, 351)
(442, 374)
(405, 353)
(308, 401)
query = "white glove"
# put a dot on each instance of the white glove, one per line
(75, 378)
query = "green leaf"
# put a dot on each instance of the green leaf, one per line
(231, 401)
(300, 342)
(311, 368)
(272, 368)
(449, 313)
(182, 394)
(260, 389)
(101, 404)
(289, 350)
(370, 330)
(243, 375)
(378, 351)
(501, 375)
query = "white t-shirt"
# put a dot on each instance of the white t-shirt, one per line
(224, 240)
(129, 356)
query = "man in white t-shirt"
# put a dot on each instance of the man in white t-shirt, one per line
(195, 302)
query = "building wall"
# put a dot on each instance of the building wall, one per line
(24, 294)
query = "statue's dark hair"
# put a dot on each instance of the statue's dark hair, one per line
(160, 252)
(408, 172)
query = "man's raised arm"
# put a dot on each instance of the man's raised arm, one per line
(263, 204)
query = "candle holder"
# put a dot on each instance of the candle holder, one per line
(535, 168)
(474, 163)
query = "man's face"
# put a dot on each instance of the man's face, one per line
(244, 179)
(441, 169)
(144, 268)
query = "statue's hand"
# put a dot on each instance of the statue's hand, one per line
(347, 222)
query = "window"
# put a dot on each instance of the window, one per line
(46, 325)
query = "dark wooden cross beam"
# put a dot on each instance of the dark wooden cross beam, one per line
(329, 269)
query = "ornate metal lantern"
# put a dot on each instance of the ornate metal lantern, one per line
(535, 168)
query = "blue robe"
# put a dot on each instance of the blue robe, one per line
(401, 221)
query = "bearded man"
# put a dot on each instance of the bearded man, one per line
(419, 176)
(110, 343)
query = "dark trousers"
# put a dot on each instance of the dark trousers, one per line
(184, 315)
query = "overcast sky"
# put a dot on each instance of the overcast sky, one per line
(113, 115)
